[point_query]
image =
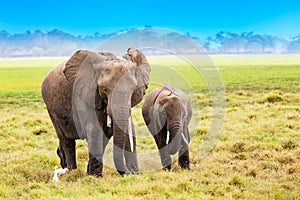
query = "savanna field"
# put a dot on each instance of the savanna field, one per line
(257, 155)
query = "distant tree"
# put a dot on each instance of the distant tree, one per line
(294, 45)
(59, 43)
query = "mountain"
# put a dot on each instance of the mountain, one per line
(60, 43)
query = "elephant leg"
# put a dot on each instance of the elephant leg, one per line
(108, 133)
(183, 154)
(107, 129)
(118, 151)
(161, 139)
(66, 150)
(67, 153)
(130, 151)
(184, 158)
(95, 166)
(62, 157)
(95, 146)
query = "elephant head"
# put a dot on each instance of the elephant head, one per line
(103, 82)
(167, 112)
(176, 109)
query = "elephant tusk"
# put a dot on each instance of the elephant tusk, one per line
(130, 133)
(108, 123)
(168, 137)
(184, 139)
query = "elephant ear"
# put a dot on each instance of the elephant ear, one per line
(77, 59)
(142, 73)
(135, 56)
(73, 64)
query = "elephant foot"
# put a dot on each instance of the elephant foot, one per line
(166, 161)
(95, 175)
(133, 168)
(134, 171)
(122, 173)
(94, 172)
(62, 157)
(67, 153)
(167, 168)
(94, 168)
(184, 162)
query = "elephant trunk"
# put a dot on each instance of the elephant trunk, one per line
(120, 112)
(119, 144)
(175, 130)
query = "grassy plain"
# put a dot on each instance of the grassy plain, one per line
(257, 156)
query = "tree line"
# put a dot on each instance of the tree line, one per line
(60, 43)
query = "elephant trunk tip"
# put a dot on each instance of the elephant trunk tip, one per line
(174, 144)
(174, 139)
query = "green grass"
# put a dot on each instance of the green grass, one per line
(257, 157)
(20, 80)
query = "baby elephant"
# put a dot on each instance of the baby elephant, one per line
(167, 112)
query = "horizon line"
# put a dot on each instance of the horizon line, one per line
(30, 31)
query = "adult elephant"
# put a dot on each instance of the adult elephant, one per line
(90, 97)
(167, 112)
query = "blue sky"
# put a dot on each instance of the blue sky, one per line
(202, 18)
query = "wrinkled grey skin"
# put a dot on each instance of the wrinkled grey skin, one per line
(168, 109)
(81, 93)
